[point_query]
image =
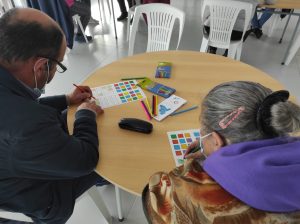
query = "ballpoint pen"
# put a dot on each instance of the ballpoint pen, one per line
(83, 90)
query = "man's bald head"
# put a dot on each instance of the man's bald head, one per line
(33, 15)
(27, 33)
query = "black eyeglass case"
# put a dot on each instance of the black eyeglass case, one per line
(134, 124)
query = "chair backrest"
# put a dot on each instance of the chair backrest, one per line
(222, 17)
(5, 5)
(160, 19)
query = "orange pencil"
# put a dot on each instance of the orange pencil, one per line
(82, 90)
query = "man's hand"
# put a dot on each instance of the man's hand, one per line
(79, 95)
(92, 106)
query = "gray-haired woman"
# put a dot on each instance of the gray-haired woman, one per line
(245, 168)
(246, 128)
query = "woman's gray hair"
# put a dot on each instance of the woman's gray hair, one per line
(228, 97)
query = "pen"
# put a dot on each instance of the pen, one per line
(185, 110)
(82, 90)
(193, 150)
(133, 78)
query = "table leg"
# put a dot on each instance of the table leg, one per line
(287, 22)
(291, 42)
(119, 208)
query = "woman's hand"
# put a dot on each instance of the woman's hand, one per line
(190, 155)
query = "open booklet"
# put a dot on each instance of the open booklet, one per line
(118, 93)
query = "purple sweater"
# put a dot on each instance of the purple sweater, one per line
(264, 174)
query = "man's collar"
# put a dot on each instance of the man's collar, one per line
(15, 85)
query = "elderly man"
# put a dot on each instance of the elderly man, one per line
(43, 169)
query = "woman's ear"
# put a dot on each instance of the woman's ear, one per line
(218, 140)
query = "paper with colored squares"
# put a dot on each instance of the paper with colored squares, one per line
(118, 93)
(180, 140)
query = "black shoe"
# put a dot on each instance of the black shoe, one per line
(257, 32)
(122, 16)
(247, 33)
(80, 38)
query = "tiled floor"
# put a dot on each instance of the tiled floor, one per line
(265, 54)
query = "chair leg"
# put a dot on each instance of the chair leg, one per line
(81, 28)
(232, 51)
(96, 197)
(128, 23)
(238, 52)
(119, 208)
(294, 48)
(204, 45)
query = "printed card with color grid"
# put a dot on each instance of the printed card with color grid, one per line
(168, 106)
(180, 140)
(118, 93)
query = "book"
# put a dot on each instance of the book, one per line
(163, 70)
(156, 88)
(168, 106)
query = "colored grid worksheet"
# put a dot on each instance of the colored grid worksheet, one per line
(118, 93)
(180, 140)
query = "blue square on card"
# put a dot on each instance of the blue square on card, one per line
(196, 134)
(182, 140)
(177, 147)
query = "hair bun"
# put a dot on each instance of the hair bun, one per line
(263, 118)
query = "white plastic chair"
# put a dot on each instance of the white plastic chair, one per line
(130, 16)
(160, 22)
(5, 5)
(77, 20)
(223, 15)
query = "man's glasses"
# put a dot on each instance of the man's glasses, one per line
(60, 68)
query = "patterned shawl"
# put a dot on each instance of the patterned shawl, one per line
(187, 195)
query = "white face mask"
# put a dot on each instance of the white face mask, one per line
(41, 91)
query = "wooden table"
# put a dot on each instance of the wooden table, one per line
(286, 4)
(127, 158)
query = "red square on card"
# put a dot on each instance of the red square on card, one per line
(178, 153)
(180, 135)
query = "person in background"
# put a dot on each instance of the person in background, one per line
(43, 168)
(257, 24)
(83, 9)
(247, 165)
(124, 13)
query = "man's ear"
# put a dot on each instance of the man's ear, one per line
(218, 140)
(40, 65)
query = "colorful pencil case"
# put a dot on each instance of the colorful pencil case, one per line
(156, 88)
(163, 70)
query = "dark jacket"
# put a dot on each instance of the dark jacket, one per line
(60, 12)
(39, 160)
